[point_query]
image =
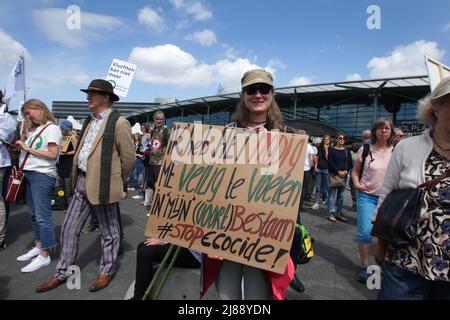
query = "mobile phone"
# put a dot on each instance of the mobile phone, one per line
(9, 144)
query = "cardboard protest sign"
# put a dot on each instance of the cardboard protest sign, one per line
(64, 143)
(230, 192)
(121, 75)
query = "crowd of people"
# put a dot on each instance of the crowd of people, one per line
(99, 164)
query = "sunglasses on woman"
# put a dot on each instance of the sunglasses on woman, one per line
(261, 87)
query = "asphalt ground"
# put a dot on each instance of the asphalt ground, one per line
(330, 275)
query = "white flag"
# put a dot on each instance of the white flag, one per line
(16, 79)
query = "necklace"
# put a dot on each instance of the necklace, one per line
(434, 140)
(258, 122)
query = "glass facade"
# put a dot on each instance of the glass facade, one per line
(351, 118)
(348, 110)
(218, 119)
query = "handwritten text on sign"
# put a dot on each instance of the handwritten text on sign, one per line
(230, 192)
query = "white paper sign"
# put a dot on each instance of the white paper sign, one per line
(121, 75)
(436, 71)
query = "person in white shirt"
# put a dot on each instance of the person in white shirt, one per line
(7, 130)
(309, 163)
(42, 148)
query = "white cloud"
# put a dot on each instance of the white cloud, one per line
(81, 78)
(353, 77)
(229, 72)
(57, 71)
(170, 65)
(10, 50)
(230, 52)
(204, 38)
(405, 60)
(178, 4)
(53, 23)
(447, 27)
(275, 62)
(301, 81)
(151, 19)
(194, 8)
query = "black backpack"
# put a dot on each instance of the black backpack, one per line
(366, 152)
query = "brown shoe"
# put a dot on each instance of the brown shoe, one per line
(341, 217)
(49, 285)
(101, 282)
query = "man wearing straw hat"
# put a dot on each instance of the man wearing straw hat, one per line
(103, 160)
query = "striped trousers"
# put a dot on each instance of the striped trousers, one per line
(77, 214)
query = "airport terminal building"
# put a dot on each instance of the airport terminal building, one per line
(348, 107)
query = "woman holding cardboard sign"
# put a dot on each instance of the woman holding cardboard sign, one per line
(258, 110)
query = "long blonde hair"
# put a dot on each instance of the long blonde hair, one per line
(274, 116)
(36, 104)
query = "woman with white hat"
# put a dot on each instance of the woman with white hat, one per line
(422, 271)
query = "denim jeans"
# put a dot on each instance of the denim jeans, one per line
(133, 182)
(306, 179)
(338, 194)
(40, 191)
(401, 284)
(322, 184)
(366, 204)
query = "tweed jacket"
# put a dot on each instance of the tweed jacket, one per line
(123, 160)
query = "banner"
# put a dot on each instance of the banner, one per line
(16, 79)
(411, 127)
(230, 192)
(121, 75)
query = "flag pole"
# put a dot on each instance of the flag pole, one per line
(24, 80)
(22, 125)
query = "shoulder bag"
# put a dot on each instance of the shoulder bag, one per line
(335, 180)
(16, 182)
(398, 215)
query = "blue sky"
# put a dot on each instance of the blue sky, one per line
(186, 48)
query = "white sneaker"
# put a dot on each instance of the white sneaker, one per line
(131, 189)
(315, 206)
(37, 263)
(138, 197)
(29, 255)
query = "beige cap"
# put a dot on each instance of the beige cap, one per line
(442, 89)
(256, 76)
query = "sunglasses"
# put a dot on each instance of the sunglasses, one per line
(341, 138)
(262, 88)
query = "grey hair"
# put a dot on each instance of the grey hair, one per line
(425, 111)
(366, 134)
(158, 113)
